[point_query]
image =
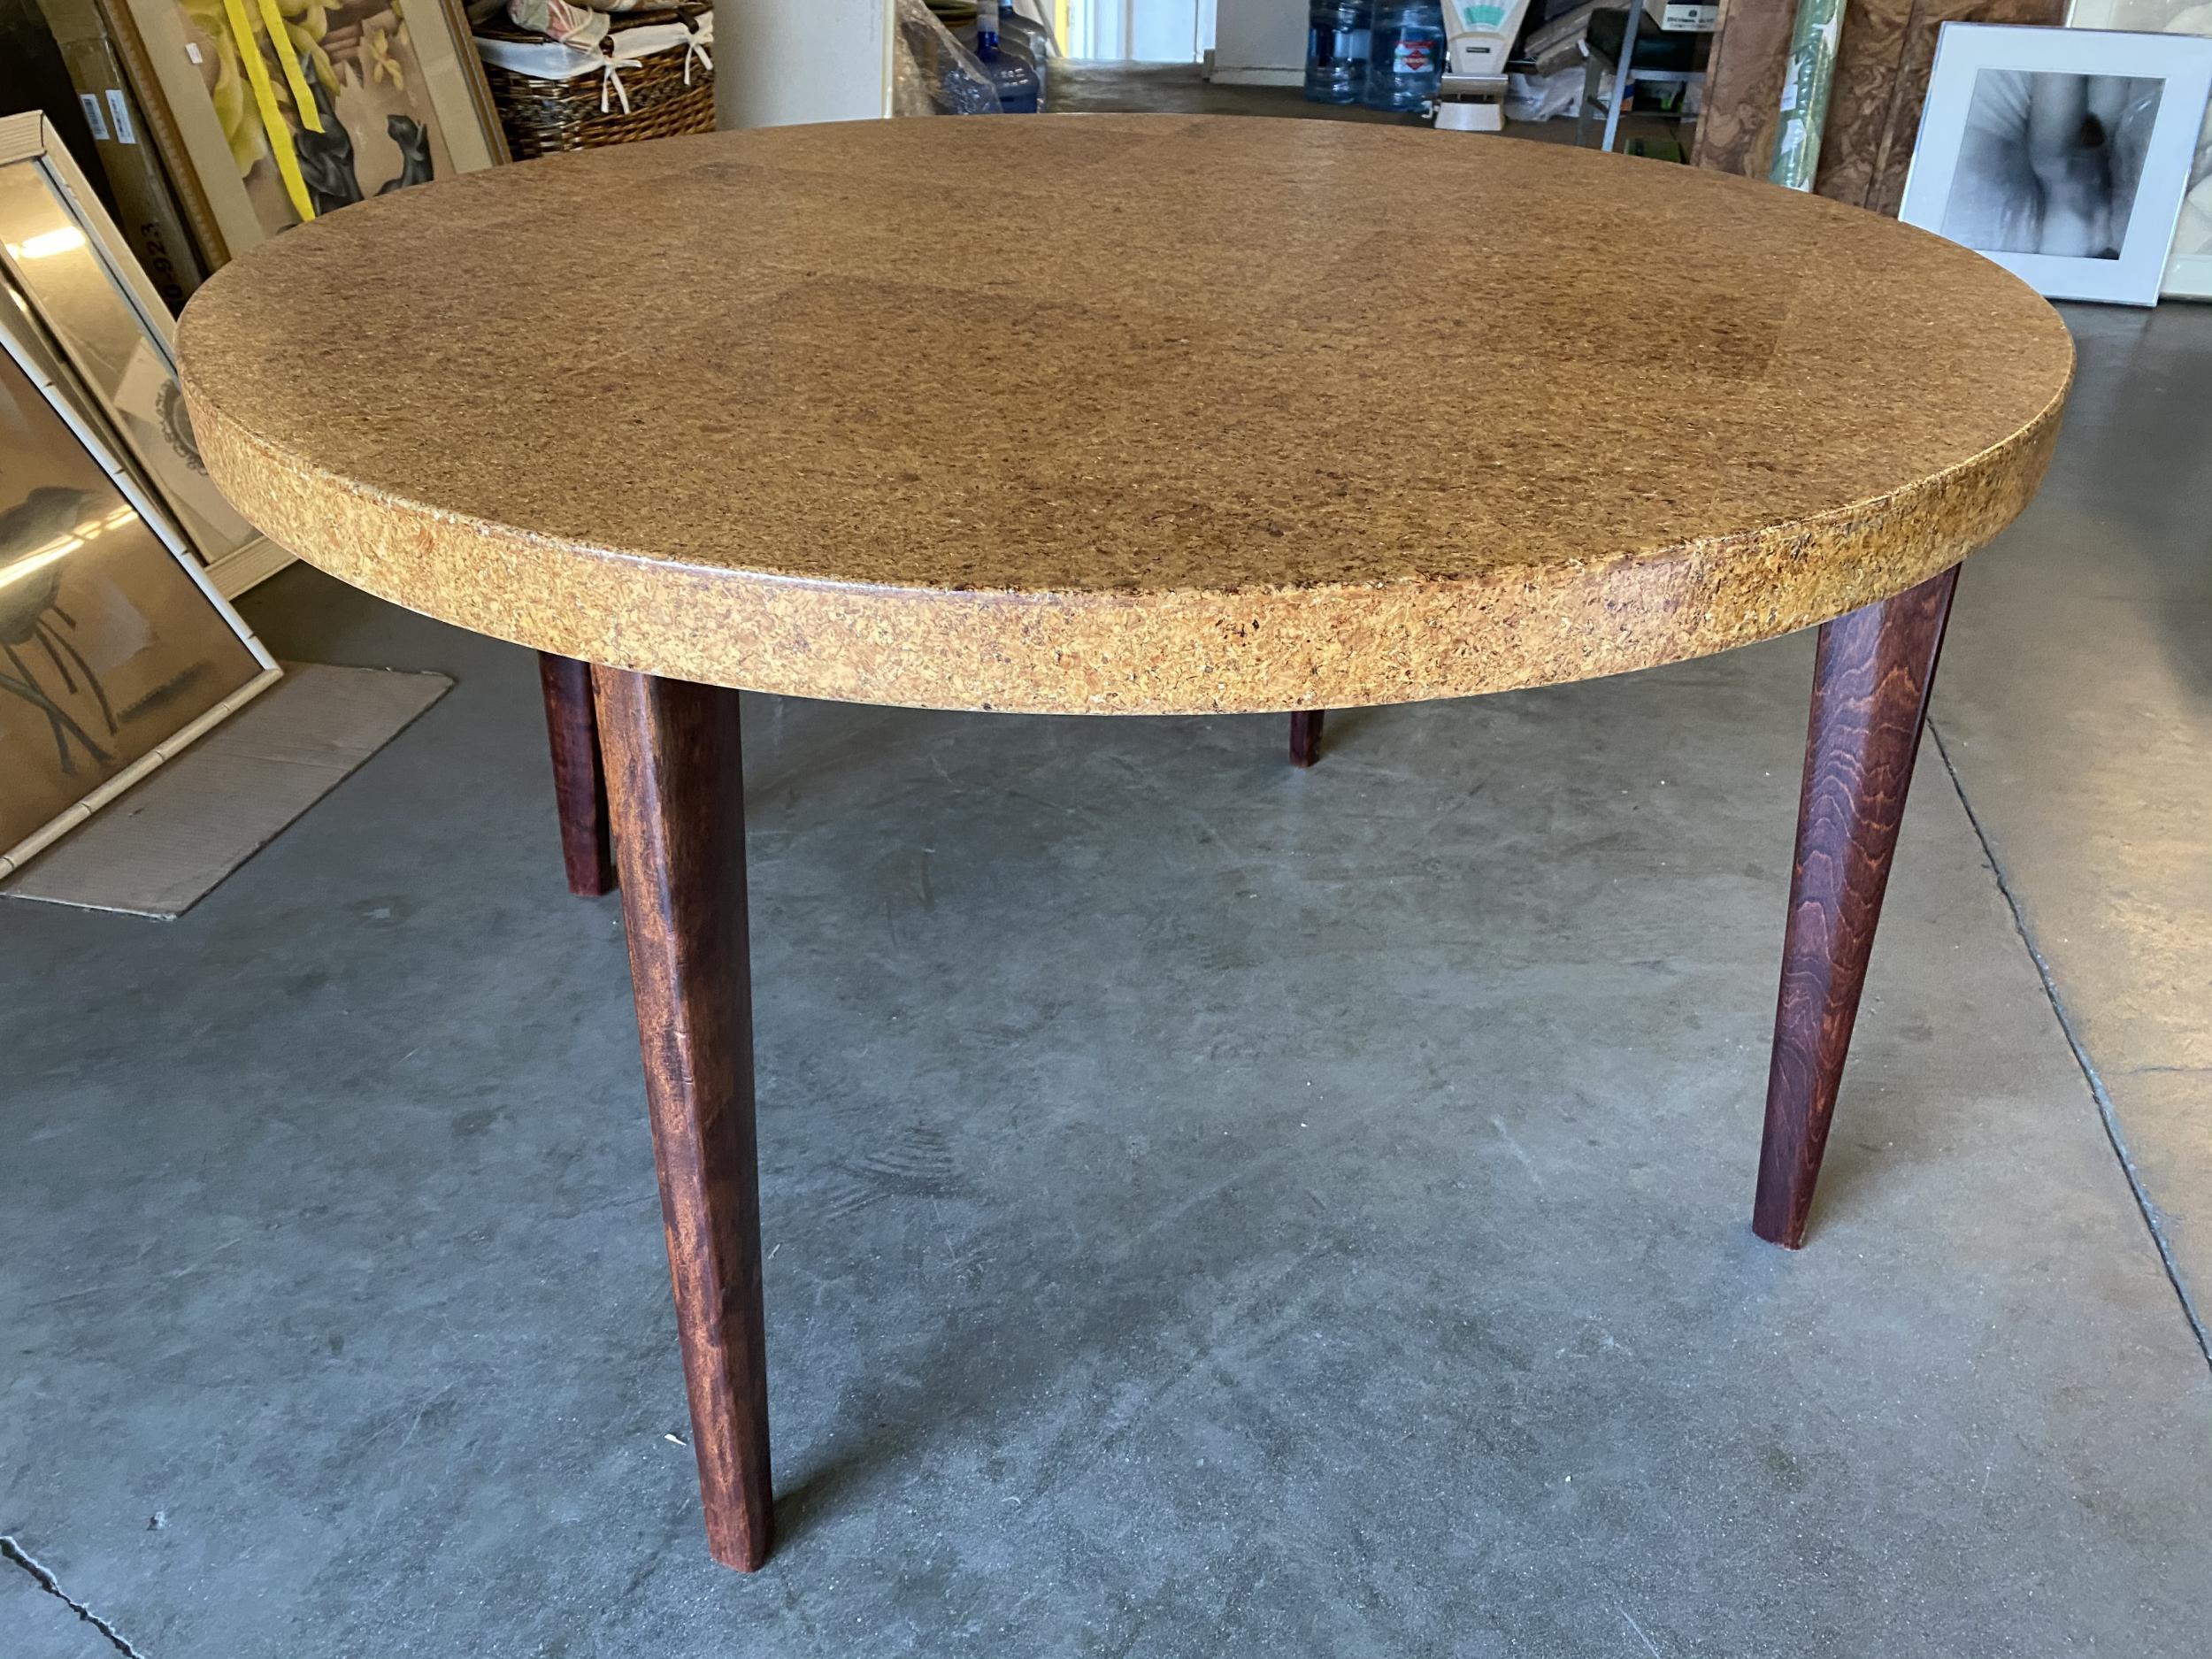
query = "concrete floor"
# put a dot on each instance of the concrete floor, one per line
(1106, 89)
(1083, 88)
(1213, 1209)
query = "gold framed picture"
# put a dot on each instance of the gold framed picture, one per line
(115, 651)
(352, 99)
(158, 224)
(121, 31)
(96, 304)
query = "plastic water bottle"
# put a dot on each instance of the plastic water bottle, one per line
(1007, 57)
(1032, 43)
(1336, 50)
(1020, 79)
(1405, 64)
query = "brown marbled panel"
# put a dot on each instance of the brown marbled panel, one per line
(1915, 60)
(1183, 414)
(1743, 88)
(1882, 65)
(1861, 109)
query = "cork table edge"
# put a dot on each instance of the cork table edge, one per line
(1190, 650)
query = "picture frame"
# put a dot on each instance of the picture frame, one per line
(2189, 266)
(123, 160)
(2060, 154)
(116, 650)
(67, 258)
(160, 123)
(394, 89)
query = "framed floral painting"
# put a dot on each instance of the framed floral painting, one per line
(291, 109)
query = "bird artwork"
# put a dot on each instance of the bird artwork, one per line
(413, 139)
(115, 651)
(326, 157)
(36, 536)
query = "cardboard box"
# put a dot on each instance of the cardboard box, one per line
(145, 208)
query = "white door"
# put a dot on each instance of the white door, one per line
(1139, 31)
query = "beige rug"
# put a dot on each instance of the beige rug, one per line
(165, 845)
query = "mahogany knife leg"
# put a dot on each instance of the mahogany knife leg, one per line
(580, 779)
(1305, 737)
(1870, 682)
(675, 779)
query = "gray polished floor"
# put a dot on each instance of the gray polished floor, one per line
(1213, 1210)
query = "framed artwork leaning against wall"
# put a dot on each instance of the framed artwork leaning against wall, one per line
(69, 261)
(357, 97)
(2189, 267)
(2060, 154)
(115, 651)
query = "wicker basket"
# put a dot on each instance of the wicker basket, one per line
(543, 118)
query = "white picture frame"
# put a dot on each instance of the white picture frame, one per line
(61, 250)
(1988, 172)
(2189, 267)
(75, 463)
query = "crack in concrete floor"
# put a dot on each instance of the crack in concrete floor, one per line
(12, 1550)
(2153, 1217)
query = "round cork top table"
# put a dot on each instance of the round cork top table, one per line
(1123, 415)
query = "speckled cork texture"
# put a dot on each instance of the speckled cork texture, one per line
(1121, 414)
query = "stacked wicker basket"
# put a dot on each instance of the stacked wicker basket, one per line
(667, 93)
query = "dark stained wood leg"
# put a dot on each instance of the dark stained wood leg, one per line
(1870, 683)
(1305, 737)
(676, 782)
(580, 779)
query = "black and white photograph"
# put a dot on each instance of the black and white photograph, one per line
(2189, 266)
(2061, 154)
(2051, 163)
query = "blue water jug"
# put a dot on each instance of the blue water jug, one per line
(1030, 43)
(1009, 57)
(1405, 62)
(1336, 50)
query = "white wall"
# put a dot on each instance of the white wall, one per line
(778, 62)
(1139, 31)
(1164, 32)
(1260, 39)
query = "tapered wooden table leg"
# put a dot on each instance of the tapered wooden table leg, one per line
(1305, 737)
(1870, 683)
(676, 784)
(580, 779)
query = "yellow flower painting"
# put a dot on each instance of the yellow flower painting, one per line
(363, 85)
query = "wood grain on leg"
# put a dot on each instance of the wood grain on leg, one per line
(580, 779)
(1870, 682)
(676, 782)
(1305, 737)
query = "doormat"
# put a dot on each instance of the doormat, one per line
(165, 845)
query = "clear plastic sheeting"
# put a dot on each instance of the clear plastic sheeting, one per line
(1543, 97)
(932, 73)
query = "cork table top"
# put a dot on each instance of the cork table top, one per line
(1121, 414)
